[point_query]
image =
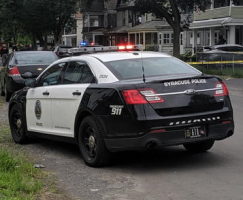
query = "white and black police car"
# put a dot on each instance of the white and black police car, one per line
(115, 101)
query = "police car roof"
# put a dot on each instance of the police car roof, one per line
(112, 56)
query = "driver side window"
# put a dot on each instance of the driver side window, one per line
(52, 76)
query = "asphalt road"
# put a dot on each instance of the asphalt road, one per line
(163, 174)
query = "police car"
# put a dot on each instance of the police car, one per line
(117, 101)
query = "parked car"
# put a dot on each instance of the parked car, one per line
(117, 101)
(224, 47)
(18, 64)
(62, 51)
(225, 52)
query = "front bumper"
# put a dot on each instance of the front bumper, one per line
(173, 136)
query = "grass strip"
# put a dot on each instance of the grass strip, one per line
(19, 180)
(238, 72)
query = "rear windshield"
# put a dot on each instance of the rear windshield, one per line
(36, 58)
(64, 49)
(133, 68)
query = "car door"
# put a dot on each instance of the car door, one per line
(38, 101)
(67, 96)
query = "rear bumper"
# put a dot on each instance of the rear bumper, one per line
(168, 138)
(15, 84)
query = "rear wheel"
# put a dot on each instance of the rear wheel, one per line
(199, 146)
(17, 125)
(91, 143)
(7, 94)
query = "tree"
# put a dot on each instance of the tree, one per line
(10, 25)
(37, 18)
(171, 11)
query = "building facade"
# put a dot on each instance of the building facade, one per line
(222, 19)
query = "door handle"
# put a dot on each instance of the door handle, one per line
(46, 93)
(77, 93)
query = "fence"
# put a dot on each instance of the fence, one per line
(219, 60)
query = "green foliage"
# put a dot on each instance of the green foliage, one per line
(152, 48)
(237, 73)
(18, 178)
(35, 18)
(171, 11)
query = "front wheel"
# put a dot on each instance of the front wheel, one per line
(199, 147)
(17, 125)
(91, 143)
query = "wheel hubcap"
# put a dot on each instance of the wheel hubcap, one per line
(91, 141)
(18, 123)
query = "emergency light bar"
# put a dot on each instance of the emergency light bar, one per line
(80, 50)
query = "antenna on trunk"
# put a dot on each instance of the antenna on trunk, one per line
(144, 79)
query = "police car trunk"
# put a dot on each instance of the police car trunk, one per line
(179, 103)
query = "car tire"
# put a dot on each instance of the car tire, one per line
(2, 91)
(91, 143)
(18, 125)
(199, 147)
(7, 94)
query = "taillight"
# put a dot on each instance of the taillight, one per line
(14, 71)
(150, 95)
(221, 89)
(141, 96)
(133, 97)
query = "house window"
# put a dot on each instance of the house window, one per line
(123, 18)
(221, 3)
(208, 39)
(94, 21)
(191, 38)
(160, 38)
(166, 38)
(216, 37)
(198, 38)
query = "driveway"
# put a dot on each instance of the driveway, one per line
(161, 174)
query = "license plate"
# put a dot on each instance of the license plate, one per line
(195, 132)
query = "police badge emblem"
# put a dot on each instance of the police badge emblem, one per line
(38, 109)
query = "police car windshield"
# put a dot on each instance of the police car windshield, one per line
(35, 58)
(157, 66)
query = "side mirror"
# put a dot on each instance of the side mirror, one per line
(27, 75)
(31, 82)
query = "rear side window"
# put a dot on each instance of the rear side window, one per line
(78, 72)
(235, 49)
(35, 58)
(224, 48)
(133, 68)
(64, 49)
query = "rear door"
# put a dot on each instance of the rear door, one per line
(67, 96)
(38, 101)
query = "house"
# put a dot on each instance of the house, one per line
(73, 35)
(222, 18)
